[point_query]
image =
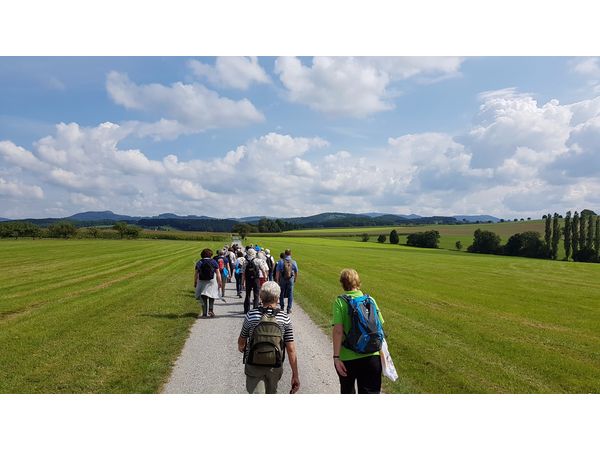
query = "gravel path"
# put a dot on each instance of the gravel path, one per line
(211, 364)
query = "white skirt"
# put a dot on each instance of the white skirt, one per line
(210, 288)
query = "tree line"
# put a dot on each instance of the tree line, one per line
(424, 239)
(580, 234)
(64, 230)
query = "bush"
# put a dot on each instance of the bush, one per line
(585, 254)
(424, 239)
(485, 241)
(381, 239)
(394, 239)
(19, 229)
(458, 245)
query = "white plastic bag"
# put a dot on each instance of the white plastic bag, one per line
(387, 365)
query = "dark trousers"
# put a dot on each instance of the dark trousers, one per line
(238, 283)
(251, 286)
(366, 372)
(207, 305)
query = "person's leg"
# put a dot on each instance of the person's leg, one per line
(247, 298)
(204, 305)
(255, 379)
(368, 371)
(272, 378)
(238, 284)
(290, 295)
(347, 382)
(282, 295)
(211, 302)
(256, 291)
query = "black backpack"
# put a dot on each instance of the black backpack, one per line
(250, 271)
(206, 271)
(267, 348)
(270, 263)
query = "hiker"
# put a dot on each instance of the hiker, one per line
(364, 368)
(251, 274)
(264, 348)
(223, 263)
(261, 260)
(270, 263)
(232, 260)
(207, 280)
(286, 274)
(239, 272)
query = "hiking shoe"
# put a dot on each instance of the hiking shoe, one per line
(211, 314)
(289, 311)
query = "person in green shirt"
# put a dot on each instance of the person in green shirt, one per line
(363, 369)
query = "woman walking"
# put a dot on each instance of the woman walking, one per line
(364, 369)
(207, 280)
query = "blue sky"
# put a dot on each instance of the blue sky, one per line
(236, 136)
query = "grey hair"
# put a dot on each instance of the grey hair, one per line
(251, 252)
(269, 293)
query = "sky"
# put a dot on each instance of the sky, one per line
(294, 136)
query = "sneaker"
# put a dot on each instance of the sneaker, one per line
(211, 314)
(289, 311)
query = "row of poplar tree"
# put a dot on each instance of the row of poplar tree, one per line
(581, 234)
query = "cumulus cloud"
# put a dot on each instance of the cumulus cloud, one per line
(587, 66)
(238, 72)
(518, 157)
(20, 190)
(187, 108)
(355, 87)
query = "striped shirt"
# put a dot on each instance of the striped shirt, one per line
(253, 318)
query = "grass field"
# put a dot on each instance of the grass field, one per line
(111, 316)
(93, 315)
(459, 322)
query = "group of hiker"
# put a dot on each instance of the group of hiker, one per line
(267, 334)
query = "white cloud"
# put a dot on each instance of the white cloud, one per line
(518, 158)
(589, 67)
(20, 190)
(187, 108)
(238, 72)
(355, 87)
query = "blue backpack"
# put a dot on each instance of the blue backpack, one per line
(366, 332)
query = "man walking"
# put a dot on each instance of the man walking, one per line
(266, 336)
(286, 274)
(250, 279)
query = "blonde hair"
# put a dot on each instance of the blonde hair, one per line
(349, 279)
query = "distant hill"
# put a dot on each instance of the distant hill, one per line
(483, 218)
(99, 215)
(2, 219)
(376, 214)
(175, 216)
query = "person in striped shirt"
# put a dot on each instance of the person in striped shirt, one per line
(261, 380)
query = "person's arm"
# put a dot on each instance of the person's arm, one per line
(293, 360)
(338, 337)
(218, 272)
(242, 344)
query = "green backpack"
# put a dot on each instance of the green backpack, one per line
(267, 348)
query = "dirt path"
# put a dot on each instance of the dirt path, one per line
(211, 364)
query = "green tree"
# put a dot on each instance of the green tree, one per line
(458, 245)
(548, 232)
(133, 231)
(93, 232)
(555, 236)
(365, 237)
(381, 239)
(243, 229)
(589, 242)
(121, 228)
(62, 229)
(575, 232)
(597, 237)
(567, 235)
(582, 238)
(485, 241)
(394, 239)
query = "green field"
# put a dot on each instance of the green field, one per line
(112, 316)
(93, 315)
